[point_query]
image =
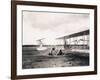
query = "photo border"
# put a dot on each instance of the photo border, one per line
(14, 4)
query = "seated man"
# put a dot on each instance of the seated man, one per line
(60, 52)
(53, 52)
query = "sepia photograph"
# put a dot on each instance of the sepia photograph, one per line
(54, 39)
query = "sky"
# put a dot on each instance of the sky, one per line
(51, 25)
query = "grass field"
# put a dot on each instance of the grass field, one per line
(32, 58)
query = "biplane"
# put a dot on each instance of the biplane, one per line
(40, 42)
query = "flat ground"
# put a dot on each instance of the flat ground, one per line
(33, 58)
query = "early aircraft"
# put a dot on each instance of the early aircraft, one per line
(40, 41)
